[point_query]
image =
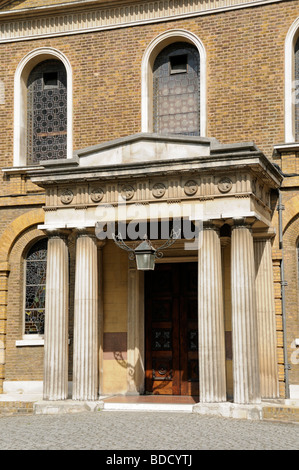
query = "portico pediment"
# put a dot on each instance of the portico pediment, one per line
(160, 172)
(144, 148)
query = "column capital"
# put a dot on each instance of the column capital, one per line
(241, 222)
(210, 225)
(57, 233)
(84, 232)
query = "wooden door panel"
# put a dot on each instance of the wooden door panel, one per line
(171, 330)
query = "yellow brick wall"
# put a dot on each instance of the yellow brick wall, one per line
(115, 295)
(245, 101)
(245, 90)
(23, 4)
(22, 363)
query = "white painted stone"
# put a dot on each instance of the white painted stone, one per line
(211, 350)
(56, 320)
(23, 387)
(294, 392)
(142, 150)
(266, 319)
(244, 320)
(85, 363)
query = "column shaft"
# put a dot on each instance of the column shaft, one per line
(244, 321)
(266, 319)
(85, 365)
(135, 341)
(56, 321)
(210, 320)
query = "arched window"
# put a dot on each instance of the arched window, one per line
(176, 90)
(47, 112)
(43, 108)
(296, 101)
(35, 288)
(170, 60)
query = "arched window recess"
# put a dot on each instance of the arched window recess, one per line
(177, 64)
(43, 108)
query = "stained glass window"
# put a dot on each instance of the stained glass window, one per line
(47, 112)
(176, 90)
(35, 291)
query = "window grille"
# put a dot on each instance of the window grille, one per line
(35, 288)
(176, 90)
(47, 112)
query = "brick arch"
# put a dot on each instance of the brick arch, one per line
(15, 228)
(290, 212)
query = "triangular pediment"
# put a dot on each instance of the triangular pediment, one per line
(146, 154)
(145, 148)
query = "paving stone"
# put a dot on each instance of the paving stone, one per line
(113, 430)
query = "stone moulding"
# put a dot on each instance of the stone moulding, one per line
(171, 184)
(44, 22)
(147, 190)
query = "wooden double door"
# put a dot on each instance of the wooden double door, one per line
(171, 330)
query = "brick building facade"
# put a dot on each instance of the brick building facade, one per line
(230, 127)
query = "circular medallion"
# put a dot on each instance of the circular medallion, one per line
(67, 196)
(127, 192)
(159, 190)
(225, 185)
(97, 194)
(191, 188)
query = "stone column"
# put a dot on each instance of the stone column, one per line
(56, 319)
(244, 320)
(266, 319)
(212, 386)
(85, 363)
(135, 339)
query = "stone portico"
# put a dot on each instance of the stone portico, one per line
(225, 190)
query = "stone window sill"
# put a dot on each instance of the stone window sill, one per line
(30, 342)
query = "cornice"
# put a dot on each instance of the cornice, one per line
(81, 17)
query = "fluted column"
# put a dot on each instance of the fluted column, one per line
(135, 337)
(85, 364)
(56, 319)
(244, 320)
(266, 319)
(210, 319)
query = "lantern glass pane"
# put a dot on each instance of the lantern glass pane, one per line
(145, 261)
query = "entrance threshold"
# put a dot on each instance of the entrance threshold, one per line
(150, 403)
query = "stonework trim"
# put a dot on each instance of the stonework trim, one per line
(20, 93)
(290, 42)
(153, 49)
(107, 17)
(14, 230)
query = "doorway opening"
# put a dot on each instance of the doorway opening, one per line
(171, 330)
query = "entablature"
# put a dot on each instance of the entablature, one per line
(87, 16)
(224, 181)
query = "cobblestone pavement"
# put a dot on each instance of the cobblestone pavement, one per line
(143, 431)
